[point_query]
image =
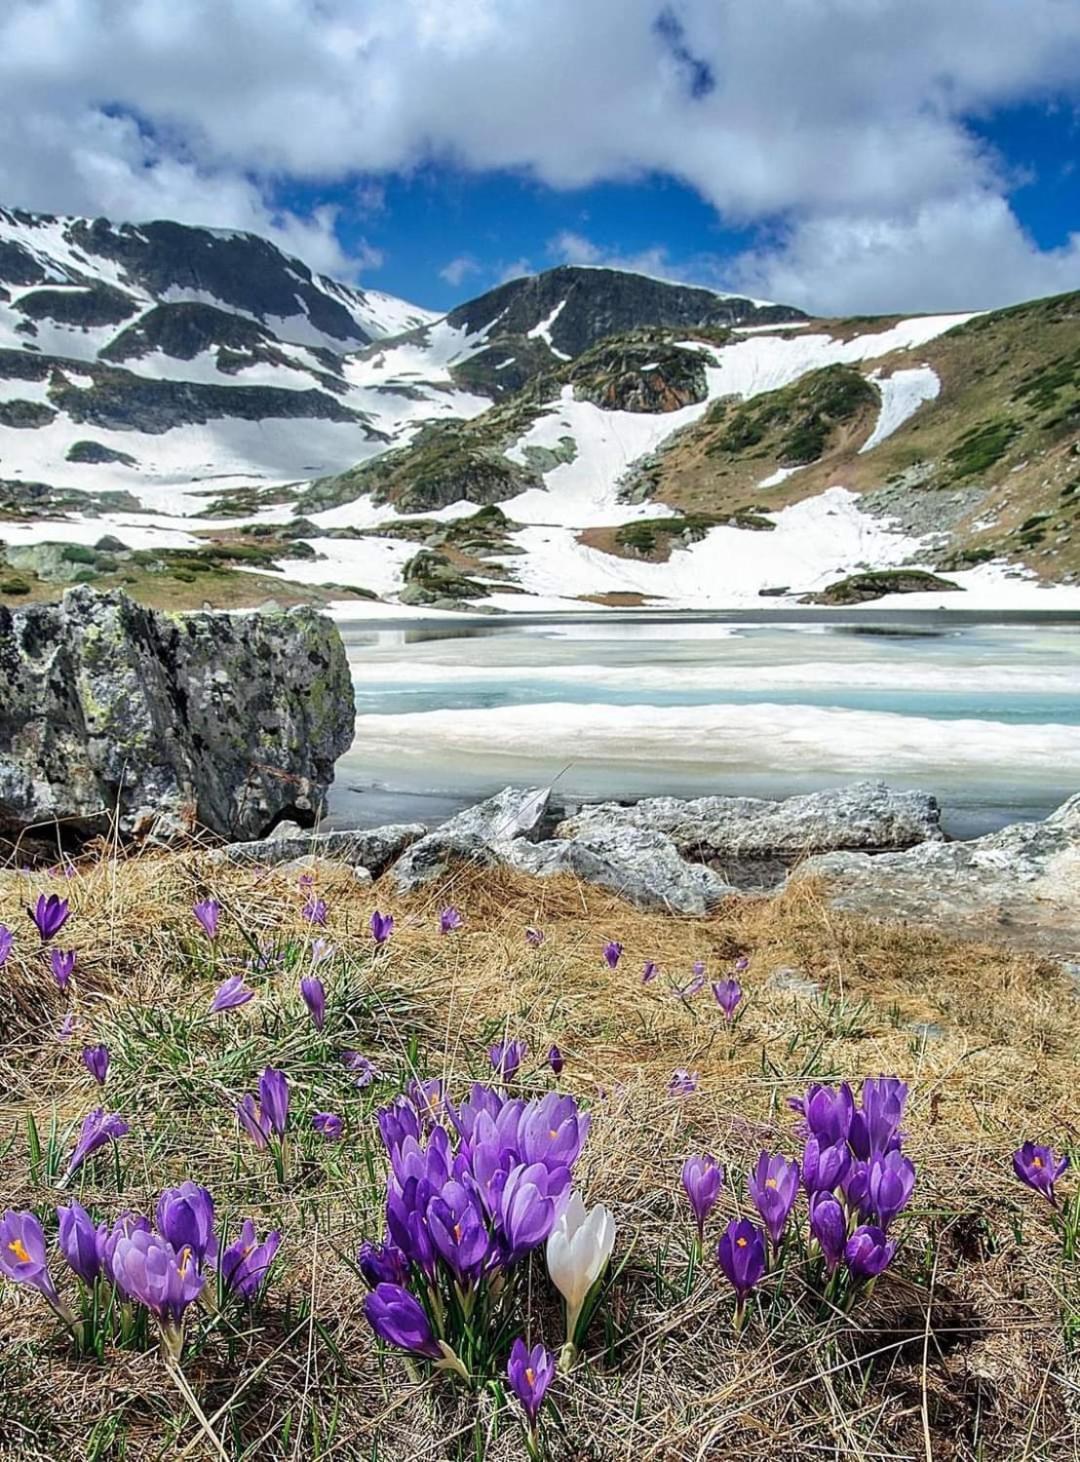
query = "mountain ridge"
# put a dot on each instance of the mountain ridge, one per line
(600, 435)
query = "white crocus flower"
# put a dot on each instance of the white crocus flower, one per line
(578, 1250)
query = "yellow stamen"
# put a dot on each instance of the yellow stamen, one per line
(553, 1133)
(740, 1243)
(18, 1248)
(770, 1182)
(457, 1232)
(530, 1375)
(1036, 1162)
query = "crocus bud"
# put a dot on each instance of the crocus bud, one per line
(578, 1250)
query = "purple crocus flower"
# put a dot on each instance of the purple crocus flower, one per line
(694, 987)
(824, 1166)
(828, 1112)
(868, 1252)
(208, 913)
(66, 1029)
(742, 964)
(612, 953)
(231, 995)
(1040, 1168)
(774, 1186)
(80, 1241)
(382, 926)
(7, 939)
(321, 950)
(535, 937)
(829, 1226)
(98, 1128)
(728, 993)
(459, 1231)
(252, 1121)
(890, 1184)
(382, 1263)
(531, 1199)
(96, 1061)
(274, 1099)
(315, 911)
(649, 972)
(363, 1068)
(551, 1130)
(449, 920)
(683, 1082)
(741, 1252)
(50, 914)
(875, 1130)
(428, 1097)
(22, 1253)
(530, 1373)
(62, 964)
(506, 1058)
(148, 1269)
(123, 1228)
(702, 1178)
(245, 1264)
(185, 1216)
(328, 1125)
(556, 1060)
(399, 1319)
(313, 994)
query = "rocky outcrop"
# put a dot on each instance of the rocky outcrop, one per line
(165, 721)
(665, 852)
(753, 842)
(1022, 881)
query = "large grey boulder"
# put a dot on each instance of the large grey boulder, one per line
(639, 865)
(753, 841)
(371, 848)
(1022, 882)
(515, 812)
(228, 721)
(434, 856)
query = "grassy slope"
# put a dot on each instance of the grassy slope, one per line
(961, 1353)
(1007, 420)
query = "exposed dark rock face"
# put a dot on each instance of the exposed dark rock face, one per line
(239, 269)
(93, 453)
(166, 721)
(27, 415)
(95, 305)
(594, 303)
(632, 375)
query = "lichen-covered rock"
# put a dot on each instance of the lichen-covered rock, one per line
(515, 812)
(109, 709)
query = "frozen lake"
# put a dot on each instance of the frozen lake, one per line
(984, 712)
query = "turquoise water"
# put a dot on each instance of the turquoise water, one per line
(984, 713)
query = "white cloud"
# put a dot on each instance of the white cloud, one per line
(844, 119)
(456, 271)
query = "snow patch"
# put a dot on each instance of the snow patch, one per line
(902, 394)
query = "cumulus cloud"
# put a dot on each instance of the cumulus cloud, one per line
(821, 117)
(456, 271)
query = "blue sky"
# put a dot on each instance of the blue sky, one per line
(843, 155)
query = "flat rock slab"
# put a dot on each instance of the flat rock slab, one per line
(1021, 883)
(371, 848)
(753, 841)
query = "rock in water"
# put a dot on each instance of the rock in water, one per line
(166, 721)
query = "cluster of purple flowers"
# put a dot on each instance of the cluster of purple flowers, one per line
(856, 1177)
(162, 1266)
(472, 1189)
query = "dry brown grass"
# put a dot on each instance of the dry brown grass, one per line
(962, 1353)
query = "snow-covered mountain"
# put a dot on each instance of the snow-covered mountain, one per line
(582, 435)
